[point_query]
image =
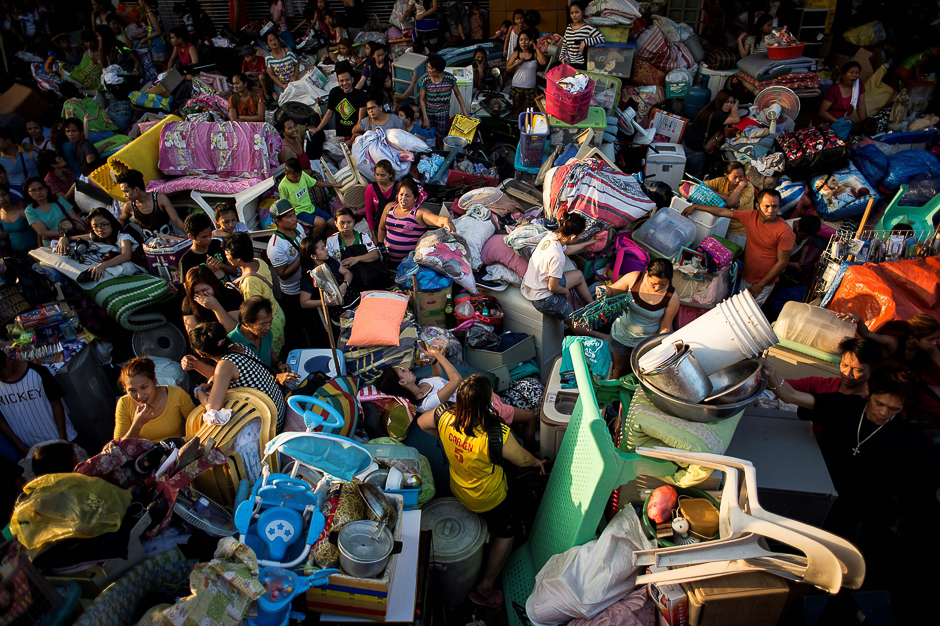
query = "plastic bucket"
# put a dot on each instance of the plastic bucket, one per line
(732, 331)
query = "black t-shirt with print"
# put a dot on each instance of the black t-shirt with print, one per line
(345, 107)
(191, 259)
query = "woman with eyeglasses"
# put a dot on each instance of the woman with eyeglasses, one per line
(109, 242)
(379, 116)
(207, 300)
(46, 210)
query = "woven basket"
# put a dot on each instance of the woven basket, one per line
(703, 194)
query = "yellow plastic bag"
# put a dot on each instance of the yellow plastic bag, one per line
(68, 506)
(869, 34)
(877, 94)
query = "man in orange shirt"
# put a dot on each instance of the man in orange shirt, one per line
(769, 242)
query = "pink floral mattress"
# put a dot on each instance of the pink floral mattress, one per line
(209, 183)
(227, 149)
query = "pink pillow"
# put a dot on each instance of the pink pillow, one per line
(378, 319)
(495, 250)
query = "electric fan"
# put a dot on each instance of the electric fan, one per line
(643, 135)
(776, 104)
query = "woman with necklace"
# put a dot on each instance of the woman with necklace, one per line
(404, 222)
(845, 97)
(149, 410)
(255, 280)
(652, 305)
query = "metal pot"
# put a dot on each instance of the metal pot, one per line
(680, 376)
(359, 554)
(735, 382)
(379, 505)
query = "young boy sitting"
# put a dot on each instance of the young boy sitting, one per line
(205, 249)
(57, 457)
(294, 188)
(226, 221)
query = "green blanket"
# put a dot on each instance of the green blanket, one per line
(128, 298)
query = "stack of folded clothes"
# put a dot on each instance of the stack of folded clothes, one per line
(758, 72)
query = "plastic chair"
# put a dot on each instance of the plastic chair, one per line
(220, 484)
(919, 217)
(588, 468)
(353, 191)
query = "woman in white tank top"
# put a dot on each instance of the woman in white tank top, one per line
(524, 63)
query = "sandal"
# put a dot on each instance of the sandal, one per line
(495, 602)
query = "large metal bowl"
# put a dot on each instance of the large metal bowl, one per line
(686, 410)
(735, 382)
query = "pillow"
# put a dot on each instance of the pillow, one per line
(378, 319)
(844, 193)
(496, 251)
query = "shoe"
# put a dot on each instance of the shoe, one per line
(495, 602)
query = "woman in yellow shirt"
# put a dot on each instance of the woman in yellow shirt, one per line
(149, 411)
(475, 480)
(255, 280)
(737, 192)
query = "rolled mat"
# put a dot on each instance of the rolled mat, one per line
(142, 155)
(126, 300)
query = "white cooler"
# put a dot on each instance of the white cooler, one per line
(706, 224)
(716, 78)
(668, 165)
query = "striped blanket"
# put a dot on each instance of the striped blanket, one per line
(596, 190)
(368, 363)
(127, 300)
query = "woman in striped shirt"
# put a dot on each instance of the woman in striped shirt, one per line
(281, 63)
(578, 36)
(404, 222)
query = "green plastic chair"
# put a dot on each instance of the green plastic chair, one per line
(588, 468)
(920, 218)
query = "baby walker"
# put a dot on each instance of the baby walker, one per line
(282, 586)
(281, 519)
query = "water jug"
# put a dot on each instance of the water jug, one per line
(696, 98)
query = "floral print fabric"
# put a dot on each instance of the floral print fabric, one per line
(201, 148)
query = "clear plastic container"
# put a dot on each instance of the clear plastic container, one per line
(666, 232)
(812, 326)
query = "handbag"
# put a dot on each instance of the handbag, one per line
(368, 275)
(713, 142)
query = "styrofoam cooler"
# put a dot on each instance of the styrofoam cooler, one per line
(464, 76)
(734, 330)
(716, 78)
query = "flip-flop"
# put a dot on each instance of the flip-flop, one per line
(494, 602)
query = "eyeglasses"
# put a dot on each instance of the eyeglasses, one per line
(260, 325)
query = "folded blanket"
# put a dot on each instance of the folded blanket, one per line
(236, 149)
(209, 183)
(127, 300)
(368, 363)
(761, 67)
(798, 80)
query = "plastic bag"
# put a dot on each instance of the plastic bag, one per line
(481, 337)
(68, 506)
(921, 190)
(373, 147)
(907, 165)
(878, 95)
(585, 580)
(871, 162)
(447, 253)
(444, 340)
(870, 34)
(476, 227)
(403, 140)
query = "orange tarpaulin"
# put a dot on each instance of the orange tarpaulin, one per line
(881, 293)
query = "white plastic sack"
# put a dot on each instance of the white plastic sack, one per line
(170, 373)
(585, 580)
(476, 227)
(502, 274)
(403, 140)
(373, 147)
(302, 90)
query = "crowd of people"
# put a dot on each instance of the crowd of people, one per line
(246, 299)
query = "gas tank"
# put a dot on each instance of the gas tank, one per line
(696, 98)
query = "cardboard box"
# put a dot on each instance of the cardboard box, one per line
(22, 100)
(431, 306)
(752, 599)
(672, 601)
(166, 86)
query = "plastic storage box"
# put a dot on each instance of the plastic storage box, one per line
(811, 327)
(666, 232)
(606, 91)
(511, 358)
(567, 107)
(706, 224)
(562, 134)
(402, 68)
(616, 34)
(615, 59)
(464, 76)
(531, 145)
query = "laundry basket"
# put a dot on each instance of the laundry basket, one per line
(568, 107)
(703, 194)
(531, 145)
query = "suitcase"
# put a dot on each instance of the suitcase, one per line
(812, 151)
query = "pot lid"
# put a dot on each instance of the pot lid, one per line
(355, 539)
(457, 532)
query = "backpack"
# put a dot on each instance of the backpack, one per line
(717, 256)
(628, 257)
